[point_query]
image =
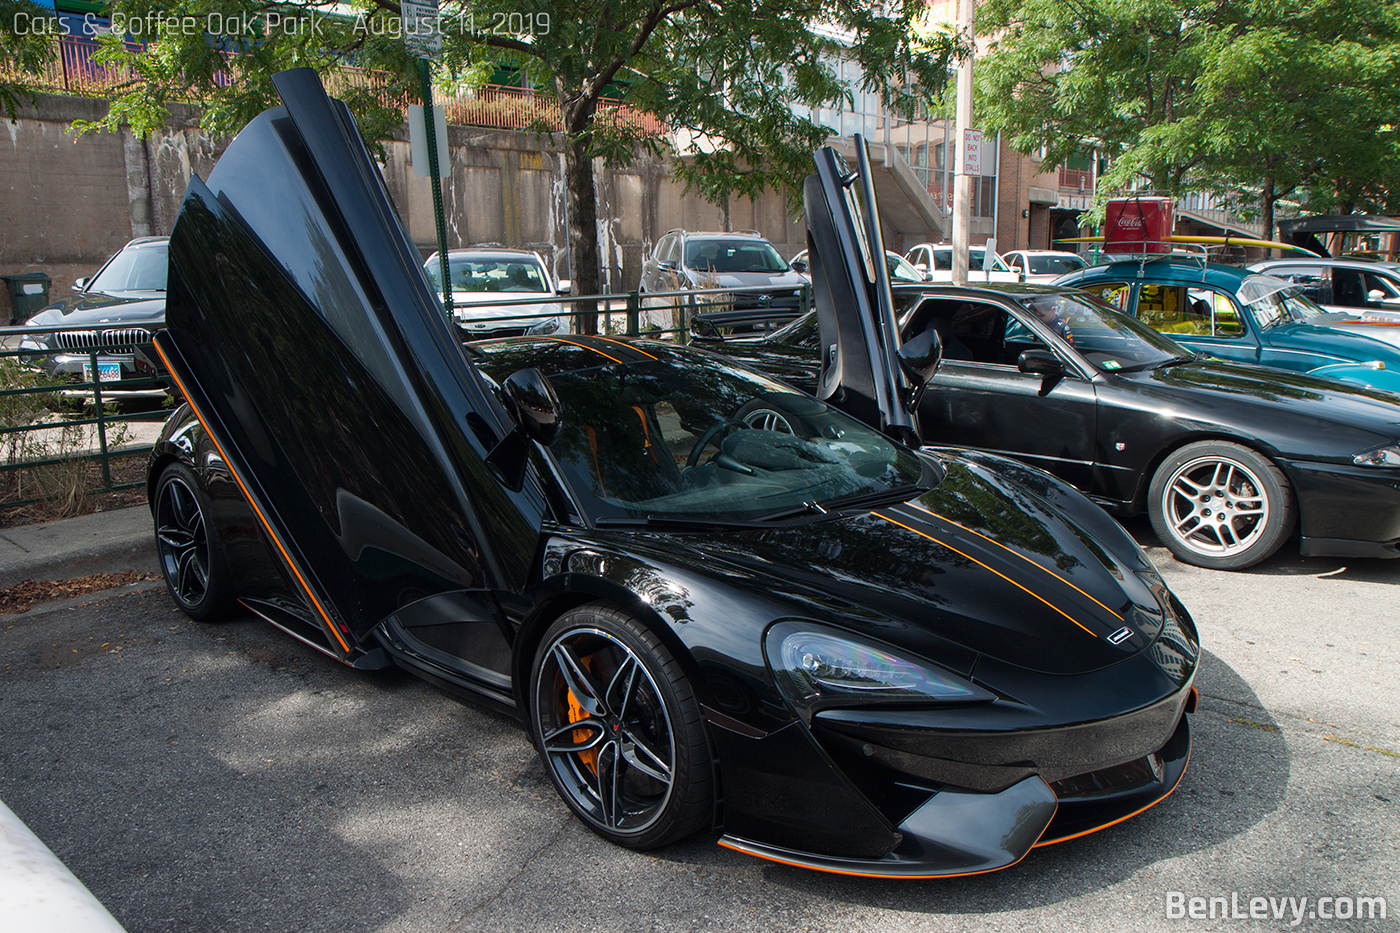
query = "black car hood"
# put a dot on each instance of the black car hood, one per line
(999, 559)
(1325, 402)
(91, 309)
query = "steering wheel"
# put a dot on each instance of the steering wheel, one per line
(766, 419)
(708, 436)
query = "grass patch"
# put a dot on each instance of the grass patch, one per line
(1254, 725)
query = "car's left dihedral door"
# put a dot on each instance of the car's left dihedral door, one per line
(301, 326)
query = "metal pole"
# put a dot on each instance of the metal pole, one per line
(962, 191)
(996, 199)
(430, 134)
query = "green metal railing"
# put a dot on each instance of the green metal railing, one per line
(75, 401)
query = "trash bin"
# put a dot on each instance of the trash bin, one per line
(28, 294)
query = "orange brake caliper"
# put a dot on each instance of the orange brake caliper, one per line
(576, 714)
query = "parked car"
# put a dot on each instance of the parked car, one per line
(1043, 265)
(481, 277)
(1253, 317)
(685, 260)
(934, 261)
(716, 603)
(1350, 286)
(1226, 458)
(116, 311)
(901, 272)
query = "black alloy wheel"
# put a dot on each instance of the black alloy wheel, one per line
(191, 556)
(619, 729)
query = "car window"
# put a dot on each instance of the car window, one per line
(134, 269)
(1014, 261)
(1188, 312)
(1379, 283)
(970, 331)
(1312, 281)
(496, 274)
(900, 270)
(1112, 293)
(1054, 265)
(735, 256)
(664, 246)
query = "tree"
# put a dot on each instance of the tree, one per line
(26, 44)
(1254, 99)
(727, 72)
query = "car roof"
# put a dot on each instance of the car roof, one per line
(1184, 269)
(719, 235)
(141, 241)
(491, 253)
(1364, 265)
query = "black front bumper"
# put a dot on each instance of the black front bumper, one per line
(806, 799)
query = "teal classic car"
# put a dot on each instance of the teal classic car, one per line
(1236, 314)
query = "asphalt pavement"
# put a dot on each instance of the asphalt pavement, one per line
(225, 778)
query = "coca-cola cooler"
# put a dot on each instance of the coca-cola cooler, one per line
(1138, 225)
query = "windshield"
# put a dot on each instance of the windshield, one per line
(1108, 339)
(943, 259)
(490, 274)
(699, 439)
(134, 269)
(1054, 265)
(901, 270)
(1275, 301)
(733, 256)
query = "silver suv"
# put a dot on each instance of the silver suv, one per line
(683, 260)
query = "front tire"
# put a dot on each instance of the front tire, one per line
(188, 545)
(1220, 505)
(619, 729)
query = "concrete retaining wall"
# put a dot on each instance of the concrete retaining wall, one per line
(71, 201)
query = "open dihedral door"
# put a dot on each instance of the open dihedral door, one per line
(860, 369)
(301, 327)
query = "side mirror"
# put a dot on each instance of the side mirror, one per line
(1040, 363)
(800, 266)
(920, 357)
(666, 265)
(921, 268)
(532, 402)
(1375, 294)
(566, 286)
(80, 284)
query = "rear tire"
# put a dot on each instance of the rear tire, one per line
(189, 548)
(1220, 505)
(619, 729)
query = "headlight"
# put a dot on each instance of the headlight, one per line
(819, 666)
(1387, 456)
(547, 326)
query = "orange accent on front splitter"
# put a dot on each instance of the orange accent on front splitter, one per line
(1051, 842)
(247, 495)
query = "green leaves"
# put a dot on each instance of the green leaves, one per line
(1229, 95)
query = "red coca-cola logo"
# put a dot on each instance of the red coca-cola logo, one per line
(1124, 221)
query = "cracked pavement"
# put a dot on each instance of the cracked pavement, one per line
(226, 778)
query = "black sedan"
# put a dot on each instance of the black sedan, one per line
(1226, 458)
(113, 313)
(835, 650)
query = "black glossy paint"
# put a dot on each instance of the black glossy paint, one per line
(343, 437)
(1106, 432)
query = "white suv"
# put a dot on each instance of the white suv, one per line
(934, 261)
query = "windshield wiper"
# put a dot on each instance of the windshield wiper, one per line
(860, 501)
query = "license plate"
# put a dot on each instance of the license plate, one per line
(106, 372)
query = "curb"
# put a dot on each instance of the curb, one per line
(103, 542)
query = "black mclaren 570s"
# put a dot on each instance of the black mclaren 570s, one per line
(716, 603)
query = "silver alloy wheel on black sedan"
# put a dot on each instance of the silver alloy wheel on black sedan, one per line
(619, 729)
(1220, 505)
